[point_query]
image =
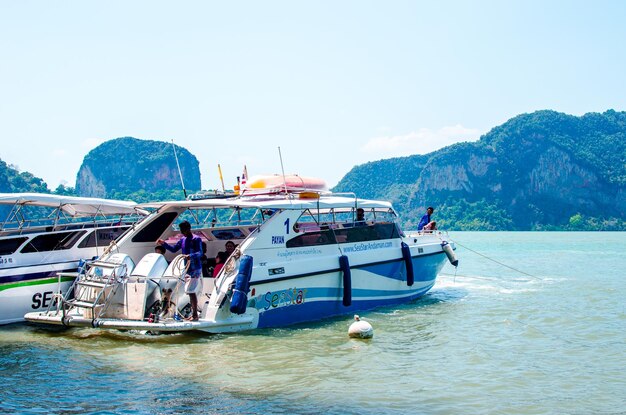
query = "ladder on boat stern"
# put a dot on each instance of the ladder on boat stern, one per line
(92, 291)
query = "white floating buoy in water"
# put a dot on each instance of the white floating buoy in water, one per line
(360, 329)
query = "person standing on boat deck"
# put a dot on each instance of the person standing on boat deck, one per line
(425, 221)
(191, 247)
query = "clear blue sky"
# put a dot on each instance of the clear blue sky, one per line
(333, 83)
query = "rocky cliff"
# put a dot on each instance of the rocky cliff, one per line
(126, 165)
(536, 171)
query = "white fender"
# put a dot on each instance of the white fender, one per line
(449, 253)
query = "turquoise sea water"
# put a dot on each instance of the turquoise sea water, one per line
(488, 341)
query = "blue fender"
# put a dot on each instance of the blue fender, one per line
(344, 264)
(242, 286)
(408, 261)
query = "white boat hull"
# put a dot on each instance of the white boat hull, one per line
(306, 261)
(291, 300)
(27, 289)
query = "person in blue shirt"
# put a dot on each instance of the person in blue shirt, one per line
(191, 246)
(425, 222)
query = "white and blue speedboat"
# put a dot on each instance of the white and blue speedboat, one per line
(302, 256)
(45, 234)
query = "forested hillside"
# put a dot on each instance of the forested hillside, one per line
(12, 181)
(124, 168)
(127, 166)
(539, 171)
(544, 170)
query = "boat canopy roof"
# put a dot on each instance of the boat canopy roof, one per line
(264, 202)
(72, 205)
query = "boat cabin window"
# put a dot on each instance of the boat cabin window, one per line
(8, 246)
(221, 217)
(227, 234)
(102, 237)
(52, 242)
(372, 232)
(320, 237)
(342, 217)
(380, 215)
(342, 226)
(306, 221)
(155, 228)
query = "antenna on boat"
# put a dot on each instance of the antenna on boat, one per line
(179, 172)
(280, 155)
(219, 169)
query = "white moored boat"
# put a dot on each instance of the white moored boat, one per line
(301, 256)
(44, 234)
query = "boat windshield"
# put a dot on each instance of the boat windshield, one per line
(336, 217)
(30, 218)
(342, 225)
(221, 217)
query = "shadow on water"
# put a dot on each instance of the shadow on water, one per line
(85, 376)
(83, 384)
(435, 297)
(134, 336)
(442, 295)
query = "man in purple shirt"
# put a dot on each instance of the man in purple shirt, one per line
(191, 247)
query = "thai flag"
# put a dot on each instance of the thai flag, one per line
(244, 177)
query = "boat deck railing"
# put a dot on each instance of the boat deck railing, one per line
(17, 227)
(414, 234)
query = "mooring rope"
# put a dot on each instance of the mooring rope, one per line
(481, 277)
(109, 248)
(498, 262)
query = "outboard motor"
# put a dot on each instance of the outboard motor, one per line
(151, 266)
(150, 269)
(174, 273)
(172, 287)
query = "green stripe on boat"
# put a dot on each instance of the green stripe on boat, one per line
(53, 280)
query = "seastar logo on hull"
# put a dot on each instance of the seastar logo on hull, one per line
(290, 296)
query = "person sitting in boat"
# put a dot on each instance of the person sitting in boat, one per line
(220, 260)
(207, 264)
(429, 227)
(159, 249)
(425, 221)
(360, 217)
(191, 247)
(230, 248)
